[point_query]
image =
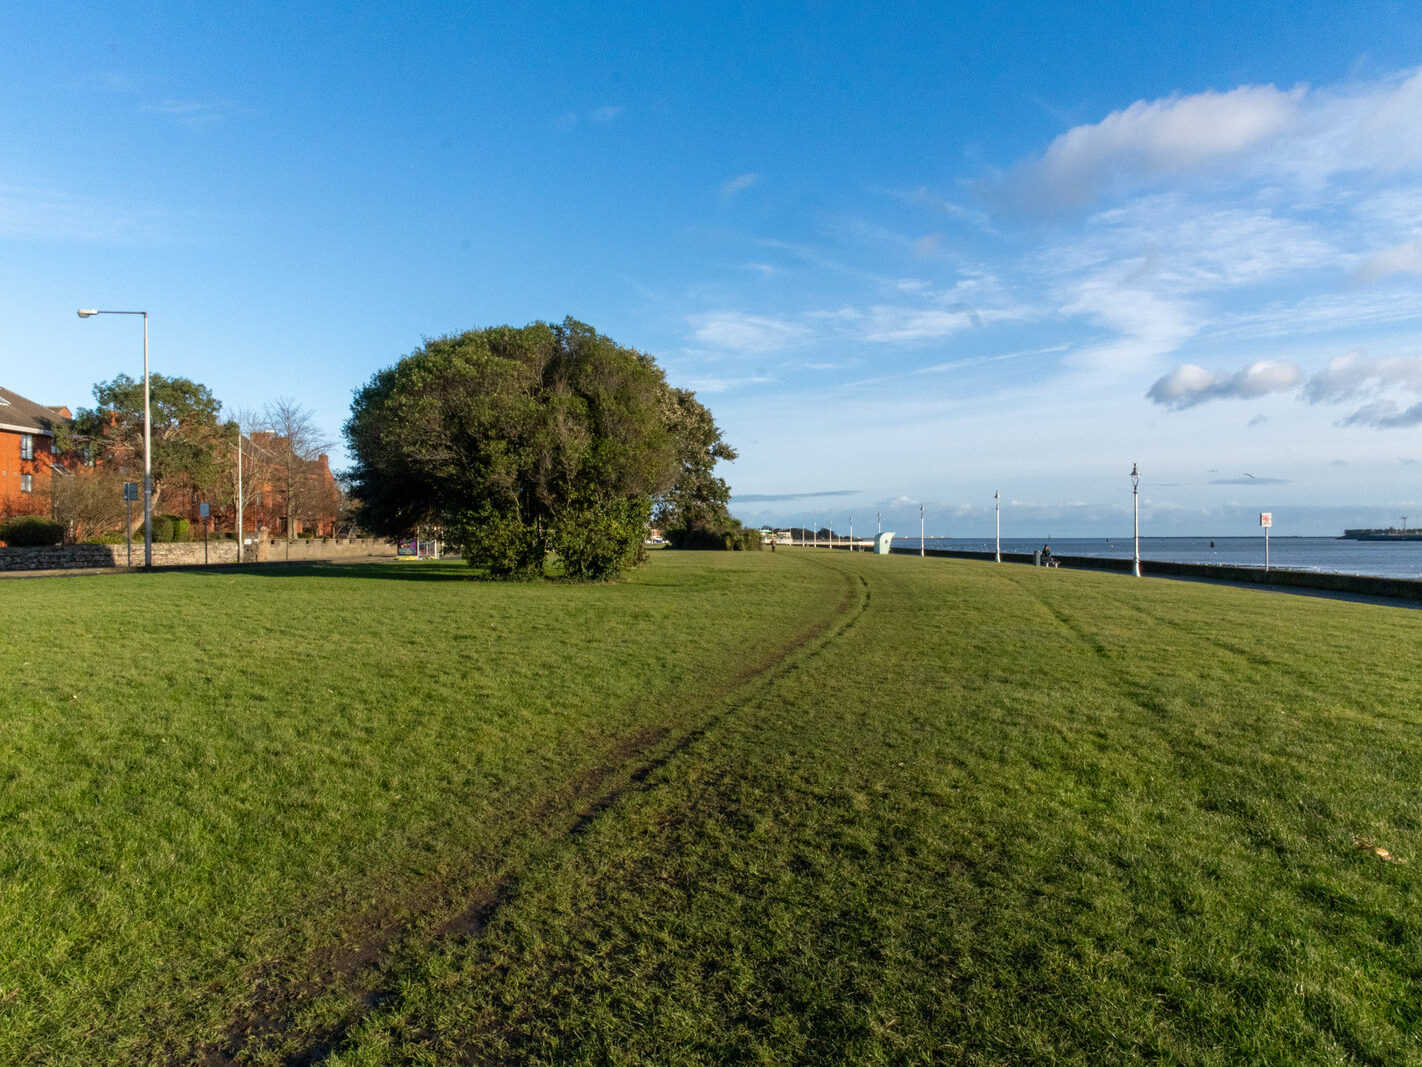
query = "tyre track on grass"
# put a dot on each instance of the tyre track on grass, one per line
(1301, 679)
(365, 967)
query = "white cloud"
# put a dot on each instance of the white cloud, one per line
(1156, 139)
(1190, 384)
(1301, 137)
(604, 114)
(1405, 258)
(1352, 376)
(732, 331)
(739, 184)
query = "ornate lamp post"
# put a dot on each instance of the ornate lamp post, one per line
(1136, 515)
(997, 520)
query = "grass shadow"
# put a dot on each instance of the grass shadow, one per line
(391, 571)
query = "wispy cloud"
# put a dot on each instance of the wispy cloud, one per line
(1385, 415)
(894, 325)
(763, 498)
(923, 197)
(192, 112)
(51, 214)
(1189, 384)
(739, 184)
(726, 385)
(735, 332)
(598, 116)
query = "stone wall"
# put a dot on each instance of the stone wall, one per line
(190, 553)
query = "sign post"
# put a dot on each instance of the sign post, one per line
(1266, 520)
(130, 494)
(204, 511)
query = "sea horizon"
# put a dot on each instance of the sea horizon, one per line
(1329, 555)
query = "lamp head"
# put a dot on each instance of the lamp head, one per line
(84, 313)
(1135, 476)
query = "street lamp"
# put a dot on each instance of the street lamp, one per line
(921, 553)
(85, 313)
(1136, 514)
(997, 521)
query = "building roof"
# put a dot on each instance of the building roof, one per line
(25, 416)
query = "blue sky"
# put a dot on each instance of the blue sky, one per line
(907, 255)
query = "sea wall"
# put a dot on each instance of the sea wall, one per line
(1361, 584)
(190, 553)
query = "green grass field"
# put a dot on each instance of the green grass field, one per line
(760, 807)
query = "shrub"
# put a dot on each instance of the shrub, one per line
(730, 536)
(182, 529)
(508, 548)
(31, 531)
(162, 529)
(598, 540)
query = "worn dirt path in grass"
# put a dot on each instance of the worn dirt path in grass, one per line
(362, 970)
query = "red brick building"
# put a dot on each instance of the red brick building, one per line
(27, 453)
(272, 474)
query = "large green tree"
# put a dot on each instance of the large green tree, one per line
(697, 499)
(518, 442)
(187, 437)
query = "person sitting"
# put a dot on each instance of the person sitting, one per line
(1047, 559)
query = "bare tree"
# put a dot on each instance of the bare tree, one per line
(88, 500)
(297, 445)
(250, 466)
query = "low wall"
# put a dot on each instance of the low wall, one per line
(311, 548)
(189, 553)
(1362, 584)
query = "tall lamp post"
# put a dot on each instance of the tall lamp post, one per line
(1136, 515)
(997, 522)
(921, 552)
(85, 313)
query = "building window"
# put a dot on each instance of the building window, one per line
(27, 446)
(27, 483)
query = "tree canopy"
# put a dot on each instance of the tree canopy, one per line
(522, 441)
(185, 430)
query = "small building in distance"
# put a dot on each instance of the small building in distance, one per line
(27, 455)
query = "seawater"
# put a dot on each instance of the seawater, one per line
(1383, 559)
